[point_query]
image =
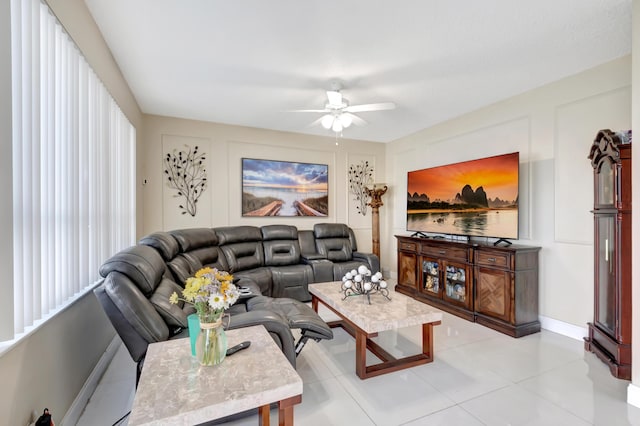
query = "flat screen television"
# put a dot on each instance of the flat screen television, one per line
(477, 198)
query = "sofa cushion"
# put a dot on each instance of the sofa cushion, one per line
(335, 249)
(183, 266)
(307, 241)
(142, 264)
(164, 242)
(210, 256)
(331, 230)
(279, 232)
(238, 234)
(135, 307)
(243, 256)
(174, 315)
(291, 281)
(281, 253)
(298, 314)
(195, 238)
(332, 241)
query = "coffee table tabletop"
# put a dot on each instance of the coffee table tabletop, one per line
(382, 314)
(363, 321)
(175, 390)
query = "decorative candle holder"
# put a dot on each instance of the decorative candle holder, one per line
(363, 283)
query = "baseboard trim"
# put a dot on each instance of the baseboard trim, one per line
(74, 412)
(633, 395)
(564, 328)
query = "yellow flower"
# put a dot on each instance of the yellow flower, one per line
(193, 287)
(174, 298)
(204, 271)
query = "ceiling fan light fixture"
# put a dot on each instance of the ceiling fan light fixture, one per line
(346, 120)
(337, 126)
(327, 121)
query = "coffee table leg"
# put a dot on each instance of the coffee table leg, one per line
(427, 338)
(263, 415)
(361, 354)
(285, 410)
(314, 303)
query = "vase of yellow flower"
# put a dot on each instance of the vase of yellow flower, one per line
(211, 343)
(210, 291)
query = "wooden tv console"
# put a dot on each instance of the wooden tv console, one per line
(493, 286)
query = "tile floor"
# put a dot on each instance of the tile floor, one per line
(479, 377)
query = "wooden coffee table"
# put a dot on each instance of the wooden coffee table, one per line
(364, 321)
(175, 390)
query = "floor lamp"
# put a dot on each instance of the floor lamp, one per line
(375, 193)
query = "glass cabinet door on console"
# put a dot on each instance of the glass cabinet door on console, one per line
(457, 289)
(446, 279)
(431, 278)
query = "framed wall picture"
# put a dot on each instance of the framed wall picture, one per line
(284, 188)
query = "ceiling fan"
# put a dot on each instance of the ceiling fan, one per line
(339, 114)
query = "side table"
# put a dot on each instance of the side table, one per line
(174, 389)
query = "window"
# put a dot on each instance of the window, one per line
(73, 168)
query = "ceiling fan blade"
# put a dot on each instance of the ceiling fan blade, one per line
(356, 120)
(371, 107)
(335, 97)
(309, 110)
(316, 122)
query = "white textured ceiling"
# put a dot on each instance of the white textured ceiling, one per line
(249, 62)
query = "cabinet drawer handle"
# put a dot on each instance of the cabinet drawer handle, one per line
(492, 259)
(442, 252)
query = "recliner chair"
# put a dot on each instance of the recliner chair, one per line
(337, 243)
(290, 277)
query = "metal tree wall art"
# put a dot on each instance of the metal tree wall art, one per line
(360, 176)
(186, 173)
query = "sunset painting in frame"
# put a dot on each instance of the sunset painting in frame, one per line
(472, 198)
(284, 188)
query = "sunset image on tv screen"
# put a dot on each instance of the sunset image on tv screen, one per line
(474, 198)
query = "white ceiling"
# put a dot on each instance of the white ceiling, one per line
(250, 62)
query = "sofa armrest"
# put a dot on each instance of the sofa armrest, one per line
(322, 269)
(276, 325)
(312, 256)
(370, 258)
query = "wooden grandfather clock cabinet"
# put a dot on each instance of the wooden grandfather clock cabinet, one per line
(610, 332)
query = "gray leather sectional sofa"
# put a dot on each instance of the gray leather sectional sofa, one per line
(276, 262)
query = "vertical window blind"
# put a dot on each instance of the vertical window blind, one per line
(73, 168)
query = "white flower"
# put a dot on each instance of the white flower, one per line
(383, 284)
(358, 278)
(216, 301)
(362, 270)
(348, 284)
(374, 278)
(367, 286)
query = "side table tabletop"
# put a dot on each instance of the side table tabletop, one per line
(175, 390)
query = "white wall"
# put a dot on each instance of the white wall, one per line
(225, 146)
(552, 127)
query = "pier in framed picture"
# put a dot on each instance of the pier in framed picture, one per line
(284, 188)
